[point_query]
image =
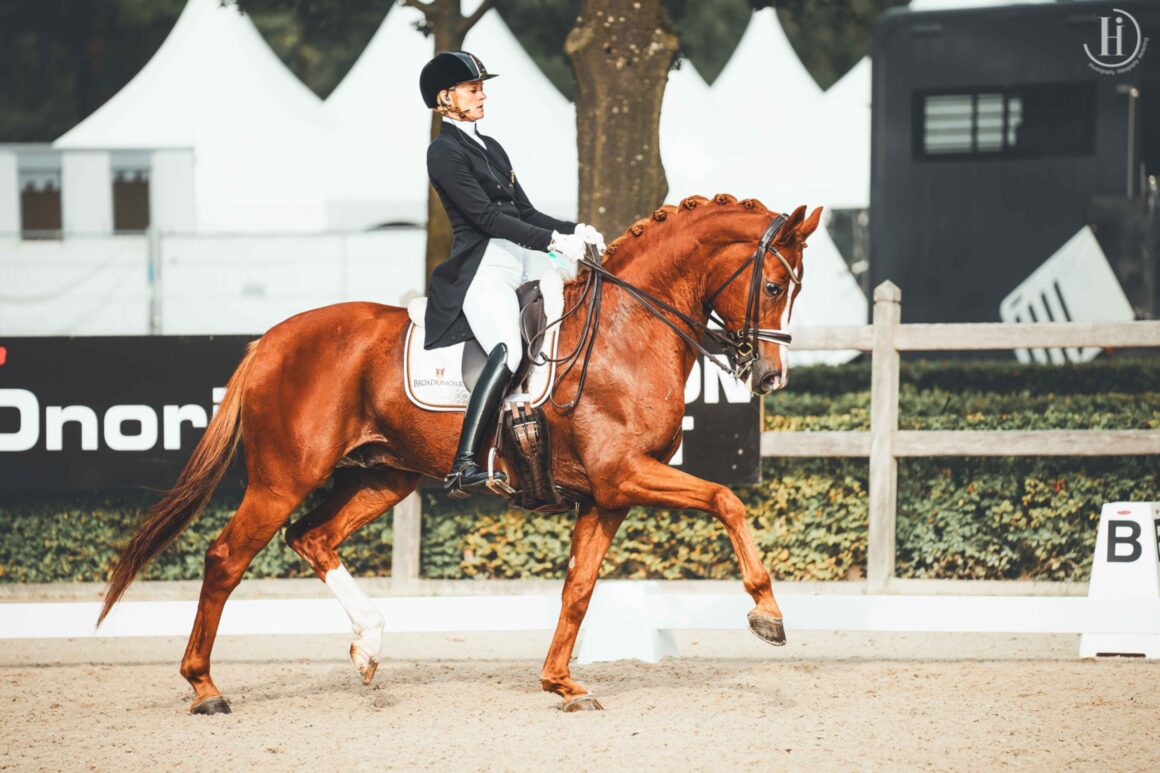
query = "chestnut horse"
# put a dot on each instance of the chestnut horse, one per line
(326, 384)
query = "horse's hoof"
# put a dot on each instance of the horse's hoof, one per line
(768, 629)
(215, 704)
(368, 673)
(582, 703)
(366, 664)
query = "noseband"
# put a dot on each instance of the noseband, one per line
(739, 346)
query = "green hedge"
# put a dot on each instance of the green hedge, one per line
(960, 518)
(75, 537)
(1105, 394)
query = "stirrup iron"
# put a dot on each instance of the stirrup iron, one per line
(497, 485)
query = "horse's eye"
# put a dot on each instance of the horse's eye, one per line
(772, 290)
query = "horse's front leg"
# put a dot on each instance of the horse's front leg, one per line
(650, 483)
(591, 537)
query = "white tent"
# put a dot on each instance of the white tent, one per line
(793, 143)
(379, 98)
(267, 156)
(830, 296)
(765, 73)
(796, 146)
(699, 139)
(536, 125)
(533, 121)
(818, 156)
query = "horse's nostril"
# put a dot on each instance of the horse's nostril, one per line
(771, 382)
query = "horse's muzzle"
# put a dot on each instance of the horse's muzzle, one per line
(768, 380)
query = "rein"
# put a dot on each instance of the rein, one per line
(740, 346)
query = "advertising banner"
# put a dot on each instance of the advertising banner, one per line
(126, 411)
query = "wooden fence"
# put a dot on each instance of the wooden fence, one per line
(884, 444)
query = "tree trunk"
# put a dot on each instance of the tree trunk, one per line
(621, 51)
(438, 226)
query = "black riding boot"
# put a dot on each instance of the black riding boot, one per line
(466, 477)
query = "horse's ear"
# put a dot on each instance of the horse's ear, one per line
(794, 220)
(810, 224)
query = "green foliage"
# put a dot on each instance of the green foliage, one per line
(809, 522)
(957, 518)
(972, 394)
(829, 36)
(77, 537)
(1011, 518)
(63, 59)
(319, 40)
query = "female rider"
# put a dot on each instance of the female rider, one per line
(497, 233)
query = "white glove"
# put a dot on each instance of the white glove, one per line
(568, 246)
(591, 235)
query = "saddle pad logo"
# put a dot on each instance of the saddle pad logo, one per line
(445, 391)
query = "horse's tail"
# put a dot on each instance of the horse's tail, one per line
(194, 487)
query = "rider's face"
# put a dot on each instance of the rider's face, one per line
(469, 98)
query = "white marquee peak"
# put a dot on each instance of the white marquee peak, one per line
(267, 156)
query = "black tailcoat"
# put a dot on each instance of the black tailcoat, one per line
(484, 200)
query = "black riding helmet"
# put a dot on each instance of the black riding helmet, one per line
(448, 69)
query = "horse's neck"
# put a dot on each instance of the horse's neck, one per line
(670, 273)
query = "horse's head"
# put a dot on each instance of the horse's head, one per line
(752, 288)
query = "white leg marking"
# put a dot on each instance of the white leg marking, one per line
(366, 620)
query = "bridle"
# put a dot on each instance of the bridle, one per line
(740, 347)
(742, 344)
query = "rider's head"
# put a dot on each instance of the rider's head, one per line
(452, 85)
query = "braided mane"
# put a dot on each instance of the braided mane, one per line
(625, 246)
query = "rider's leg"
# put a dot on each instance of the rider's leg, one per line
(492, 311)
(490, 304)
(482, 411)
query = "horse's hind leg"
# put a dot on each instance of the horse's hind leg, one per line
(591, 537)
(357, 498)
(259, 517)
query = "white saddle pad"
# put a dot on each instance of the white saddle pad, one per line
(433, 378)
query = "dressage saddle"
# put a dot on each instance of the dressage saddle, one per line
(533, 320)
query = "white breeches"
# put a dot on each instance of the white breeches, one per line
(491, 306)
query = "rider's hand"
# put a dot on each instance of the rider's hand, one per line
(569, 246)
(590, 235)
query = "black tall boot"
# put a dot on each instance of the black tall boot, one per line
(466, 478)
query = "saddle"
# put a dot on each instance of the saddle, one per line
(522, 443)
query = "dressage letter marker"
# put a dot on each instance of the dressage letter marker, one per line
(1126, 566)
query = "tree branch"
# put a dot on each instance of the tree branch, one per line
(483, 8)
(422, 6)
